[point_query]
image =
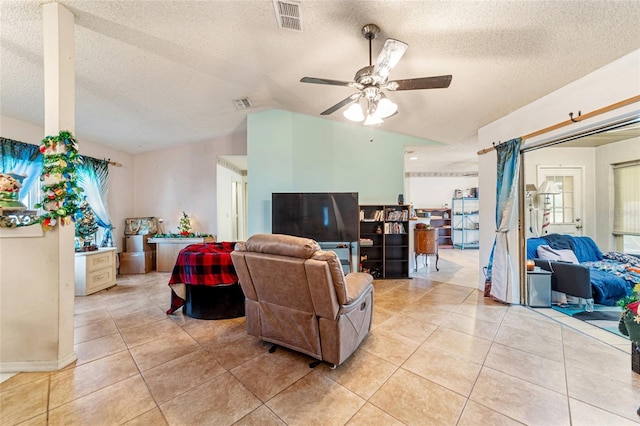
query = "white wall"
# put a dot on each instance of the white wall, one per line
(170, 181)
(434, 192)
(120, 198)
(610, 84)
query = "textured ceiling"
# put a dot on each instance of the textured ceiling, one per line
(154, 74)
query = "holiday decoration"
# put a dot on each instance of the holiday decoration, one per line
(86, 227)
(58, 178)
(184, 227)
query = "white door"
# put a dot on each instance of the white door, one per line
(564, 208)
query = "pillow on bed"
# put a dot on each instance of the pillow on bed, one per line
(547, 253)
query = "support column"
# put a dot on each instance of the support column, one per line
(59, 114)
(37, 275)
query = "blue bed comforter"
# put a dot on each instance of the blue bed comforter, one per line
(609, 279)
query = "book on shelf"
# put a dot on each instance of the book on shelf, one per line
(394, 228)
(398, 215)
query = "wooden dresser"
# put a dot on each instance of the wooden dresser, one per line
(95, 270)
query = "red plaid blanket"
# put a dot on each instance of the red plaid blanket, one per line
(202, 264)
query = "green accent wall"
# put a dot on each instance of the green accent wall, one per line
(289, 152)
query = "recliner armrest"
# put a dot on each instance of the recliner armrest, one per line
(356, 284)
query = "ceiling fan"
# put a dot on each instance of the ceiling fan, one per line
(370, 103)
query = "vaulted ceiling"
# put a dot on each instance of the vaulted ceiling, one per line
(154, 74)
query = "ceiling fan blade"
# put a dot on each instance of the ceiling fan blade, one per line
(324, 81)
(438, 82)
(340, 104)
(388, 58)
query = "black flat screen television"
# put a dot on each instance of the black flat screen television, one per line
(322, 216)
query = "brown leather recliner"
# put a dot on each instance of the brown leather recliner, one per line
(297, 296)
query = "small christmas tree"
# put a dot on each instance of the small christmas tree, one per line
(184, 227)
(86, 224)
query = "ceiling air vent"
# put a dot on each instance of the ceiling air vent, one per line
(243, 103)
(288, 14)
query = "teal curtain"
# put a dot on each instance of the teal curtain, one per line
(499, 268)
(93, 178)
(23, 159)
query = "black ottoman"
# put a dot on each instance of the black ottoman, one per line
(214, 302)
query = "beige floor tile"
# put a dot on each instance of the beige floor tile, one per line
(463, 345)
(163, 329)
(362, 373)
(261, 416)
(315, 399)
(156, 352)
(390, 347)
(417, 401)
(520, 400)
(587, 415)
(529, 341)
(19, 379)
(583, 352)
(168, 380)
(475, 414)
(425, 313)
(485, 312)
(88, 317)
(472, 326)
(40, 420)
(444, 368)
(114, 404)
(152, 417)
(380, 315)
(140, 318)
(543, 327)
(242, 348)
(408, 327)
(220, 401)
(620, 397)
(396, 299)
(530, 367)
(99, 348)
(70, 384)
(94, 330)
(216, 332)
(270, 373)
(370, 415)
(25, 401)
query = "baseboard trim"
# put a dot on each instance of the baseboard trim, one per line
(33, 366)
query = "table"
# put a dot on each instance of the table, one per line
(205, 282)
(539, 288)
(167, 250)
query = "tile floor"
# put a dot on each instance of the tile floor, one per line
(439, 353)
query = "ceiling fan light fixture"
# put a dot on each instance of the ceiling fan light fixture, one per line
(386, 108)
(354, 112)
(373, 119)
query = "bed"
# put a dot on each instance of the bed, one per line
(205, 284)
(580, 269)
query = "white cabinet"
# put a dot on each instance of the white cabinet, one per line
(95, 270)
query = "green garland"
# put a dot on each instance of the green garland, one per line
(60, 190)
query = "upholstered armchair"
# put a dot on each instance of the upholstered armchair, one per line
(297, 296)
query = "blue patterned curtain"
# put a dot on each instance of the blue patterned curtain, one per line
(499, 269)
(93, 178)
(23, 159)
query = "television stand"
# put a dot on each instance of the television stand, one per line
(344, 250)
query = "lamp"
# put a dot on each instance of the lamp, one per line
(547, 188)
(378, 107)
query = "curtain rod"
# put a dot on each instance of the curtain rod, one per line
(113, 163)
(572, 120)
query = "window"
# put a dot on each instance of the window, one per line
(626, 219)
(562, 211)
